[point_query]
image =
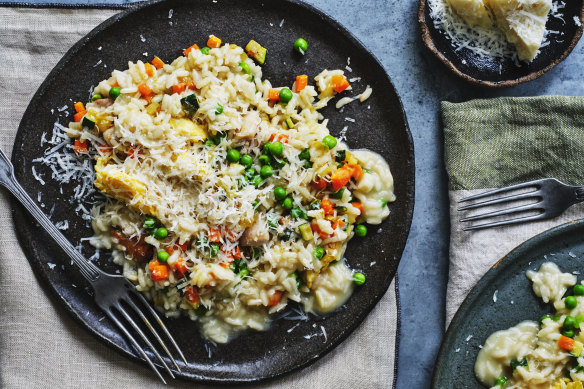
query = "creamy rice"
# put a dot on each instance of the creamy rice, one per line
(234, 253)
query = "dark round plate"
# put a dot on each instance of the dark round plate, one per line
(479, 315)
(504, 73)
(383, 128)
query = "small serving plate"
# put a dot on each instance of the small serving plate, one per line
(497, 73)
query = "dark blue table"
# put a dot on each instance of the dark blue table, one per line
(389, 29)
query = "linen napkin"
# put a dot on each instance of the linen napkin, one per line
(498, 142)
(40, 345)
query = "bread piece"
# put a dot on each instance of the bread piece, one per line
(523, 22)
(473, 12)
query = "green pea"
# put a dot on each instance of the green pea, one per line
(359, 278)
(219, 109)
(242, 181)
(285, 95)
(287, 203)
(339, 194)
(267, 147)
(301, 45)
(246, 160)
(501, 381)
(298, 213)
(570, 302)
(276, 148)
(256, 204)
(384, 204)
(568, 333)
(579, 290)
(214, 249)
(245, 67)
(115, 92)
(243, 273)
(279, 193)
(304, 155)
(161, 233)
(233, 155)
(318, 252)
(250, 172)
(149, 222)
(209, 143)
(569, 323)
(257, 181)
(361, 230)
(266, 171)
(163, 256)
(329, 141)
(96, 96)
(264, 159)
(297, 278)
(545, 317)
(205, 50)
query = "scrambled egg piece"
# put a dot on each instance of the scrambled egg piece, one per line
(523, 25)
(115, 183)
(188, 128)
(473, 12)
(566, 384)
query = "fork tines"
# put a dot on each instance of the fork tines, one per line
(119, 308)
(502, 196)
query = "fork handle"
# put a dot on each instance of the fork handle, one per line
(8, 180)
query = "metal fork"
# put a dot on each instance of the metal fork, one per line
(553, 198)
(112, 292)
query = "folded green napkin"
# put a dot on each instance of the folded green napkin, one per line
(498, 142)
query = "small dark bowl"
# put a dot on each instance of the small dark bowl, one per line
(497, 73)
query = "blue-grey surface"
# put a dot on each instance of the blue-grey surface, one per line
(389, 29)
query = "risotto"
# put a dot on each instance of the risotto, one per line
(544, 354)
(227, 197)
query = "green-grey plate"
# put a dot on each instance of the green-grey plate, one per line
(480, 315)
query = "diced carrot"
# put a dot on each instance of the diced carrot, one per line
(149, 69)
(214, 235)
(280, 138)
(191, 84)
(157, 62)
(133, 152)
(80, 146)
(274, 95)
(358, 205)
(237, 253)
(180, 268)
(566, 343)
(179, 88)
(301, 82)
(144, 90)
(357, 172)
(339, 83)
(104, 149)
(338, 223)
(341, 177)
(79, 115)
(191, 294)
(319, 183)
(79, 107)
(159, 272)
(187, 51)
(183, 246)
(327, 207)
(316, 229)
(213, 42)
(115, 84)
(226, 264)
(275, 298)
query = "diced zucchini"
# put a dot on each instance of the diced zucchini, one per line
(88, 121)
(190, 104)
(350, 159)
(577, 349)
(290, 123)
(256, 51)
(152, 108)
(306, 231)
